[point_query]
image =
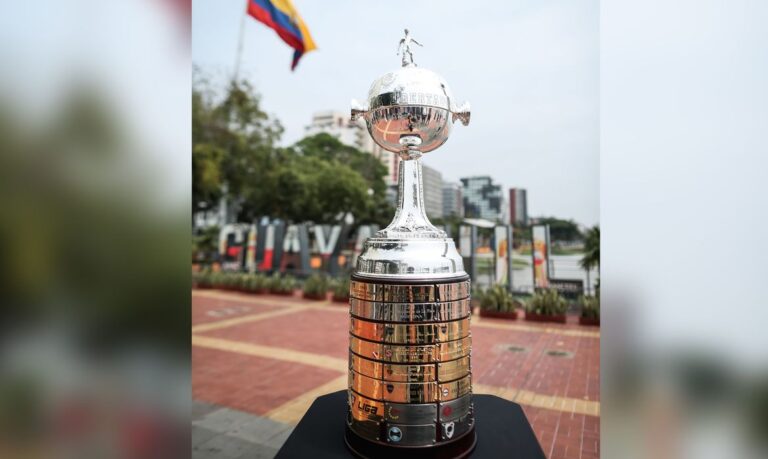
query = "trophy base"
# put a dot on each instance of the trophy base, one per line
(455, 449)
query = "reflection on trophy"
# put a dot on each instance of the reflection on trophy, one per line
(410, 383)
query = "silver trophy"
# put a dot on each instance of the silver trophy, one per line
(409, 357)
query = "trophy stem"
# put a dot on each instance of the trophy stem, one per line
(411, 217)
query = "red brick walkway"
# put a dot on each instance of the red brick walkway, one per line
(271, 356)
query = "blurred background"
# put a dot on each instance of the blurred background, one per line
(682, 203)
(95, 169)
(94, 229)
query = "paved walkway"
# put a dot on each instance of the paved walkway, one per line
(260, 360)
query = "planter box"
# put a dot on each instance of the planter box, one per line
(314, 296)
(281, 293)
(559, 319)
(344, 300)
(589, 321)
(498, 314)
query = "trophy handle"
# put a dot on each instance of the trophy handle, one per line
(358, 110)
(462, 112)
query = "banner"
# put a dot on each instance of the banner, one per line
(502, 236)
(540, 253)
(465, 241)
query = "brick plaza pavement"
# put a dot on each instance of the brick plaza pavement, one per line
(260, 360)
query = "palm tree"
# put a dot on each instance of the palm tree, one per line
(591, 258)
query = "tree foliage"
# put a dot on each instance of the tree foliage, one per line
(562, 230)
(235, 154)
(591, 258)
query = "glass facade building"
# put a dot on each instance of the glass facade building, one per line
(483, 199)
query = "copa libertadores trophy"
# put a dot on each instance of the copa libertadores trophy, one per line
(409, 348)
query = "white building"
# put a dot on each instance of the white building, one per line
(433, 191)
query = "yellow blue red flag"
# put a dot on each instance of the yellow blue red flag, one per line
(282, 16)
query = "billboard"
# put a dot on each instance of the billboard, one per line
(502, 236)
(540, 254)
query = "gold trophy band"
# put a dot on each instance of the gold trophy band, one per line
(409, 362)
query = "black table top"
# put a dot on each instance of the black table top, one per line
(502, 429)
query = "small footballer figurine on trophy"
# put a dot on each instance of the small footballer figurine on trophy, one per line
(410, 386)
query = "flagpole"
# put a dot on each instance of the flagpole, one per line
(239, 54)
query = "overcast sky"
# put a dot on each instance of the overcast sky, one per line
(530, 70)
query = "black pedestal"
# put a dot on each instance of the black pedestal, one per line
(501, 427)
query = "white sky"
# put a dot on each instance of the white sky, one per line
(530, 70)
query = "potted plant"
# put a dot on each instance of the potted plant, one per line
(235, 282)
(243, 281)
(202, 279)
(226, 281)
(282, 285)
(340, 290)
(257, 283)
(590, 310)
(498, 302)
(315, 287)
(546, 306)
(218, 280)
(476, 297)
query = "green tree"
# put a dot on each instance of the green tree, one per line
(328, 148)
(562, 230)
(233, 140)
(591, 258)
(235, 153)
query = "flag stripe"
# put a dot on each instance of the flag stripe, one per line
(265, 12)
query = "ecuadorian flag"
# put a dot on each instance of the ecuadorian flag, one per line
(282, 16)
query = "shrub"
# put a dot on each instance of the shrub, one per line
(499, 299)
(202, 279)
(316, 285)
(242, 281)
(218, 279)
(477, 294)
(590, 307)
(256, 283)
(282, 284)
(547, 302)
(227, 280)
(340, 289)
